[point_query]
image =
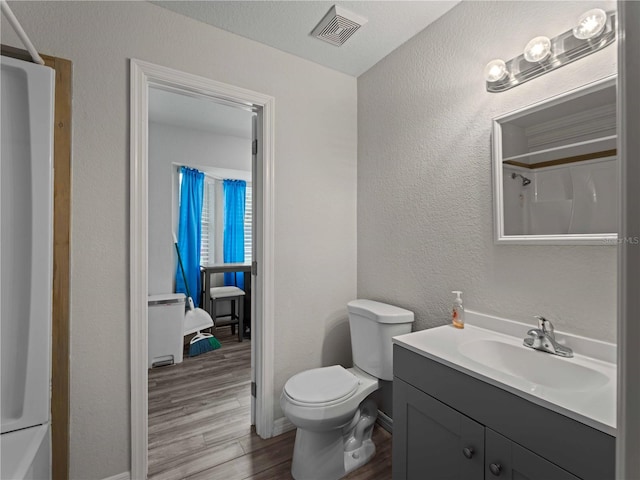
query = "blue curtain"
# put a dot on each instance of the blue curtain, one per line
(189, 230)
(234, 203)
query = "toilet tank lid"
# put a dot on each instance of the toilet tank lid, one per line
(380, 312)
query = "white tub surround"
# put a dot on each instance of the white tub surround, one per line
(490, 349)
(26, 252)
(26, 454)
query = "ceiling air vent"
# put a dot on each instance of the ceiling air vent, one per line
(338, 25)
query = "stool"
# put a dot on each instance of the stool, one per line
(234, 295)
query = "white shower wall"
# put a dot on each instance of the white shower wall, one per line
(585, 193)
(27, 242)
(577, 198)
(26, 251)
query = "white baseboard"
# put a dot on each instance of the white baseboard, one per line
(282, 425)
(120, 476)
(385, 421)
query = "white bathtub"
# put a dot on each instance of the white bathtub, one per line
(26, 245)
(26, 454)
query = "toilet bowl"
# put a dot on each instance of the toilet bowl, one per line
(330, 405)
(324, 404)
(325, 398)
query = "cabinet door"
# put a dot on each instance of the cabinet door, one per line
(508, 460)
(432, 440)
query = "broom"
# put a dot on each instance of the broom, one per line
(201, 342)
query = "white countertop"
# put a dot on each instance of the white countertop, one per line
(593, 404)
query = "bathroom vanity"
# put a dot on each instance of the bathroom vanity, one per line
(463, 409)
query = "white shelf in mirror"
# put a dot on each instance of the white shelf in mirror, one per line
(598, 147)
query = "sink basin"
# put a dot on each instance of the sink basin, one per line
(540, 368)
(490, 349)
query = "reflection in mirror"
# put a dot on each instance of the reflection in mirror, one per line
(555, 169)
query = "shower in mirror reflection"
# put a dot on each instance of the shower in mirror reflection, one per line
(525, 180)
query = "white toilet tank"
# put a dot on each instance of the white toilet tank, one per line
(372, 325)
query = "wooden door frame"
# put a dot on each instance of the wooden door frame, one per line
(61, 259)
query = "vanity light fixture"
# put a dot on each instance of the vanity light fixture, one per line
(590, 24)
(495, 70)
(595, 30)
(537, 49)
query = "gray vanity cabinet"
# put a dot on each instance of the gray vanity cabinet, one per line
(438, 442)
(449, 425)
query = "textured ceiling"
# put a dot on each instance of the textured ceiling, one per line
(286, 25)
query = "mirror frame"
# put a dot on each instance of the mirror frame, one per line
(497, 165)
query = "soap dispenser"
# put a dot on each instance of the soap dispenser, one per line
(457, 314)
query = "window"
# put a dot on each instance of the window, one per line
(207, 235)
(212, 237)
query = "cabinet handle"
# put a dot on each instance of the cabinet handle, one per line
(468, 452)
(495, 468)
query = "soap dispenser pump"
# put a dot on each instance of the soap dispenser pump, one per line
(457, 314)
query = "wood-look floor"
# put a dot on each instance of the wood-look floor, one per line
(199, 423)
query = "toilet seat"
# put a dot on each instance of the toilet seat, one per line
(321, 386)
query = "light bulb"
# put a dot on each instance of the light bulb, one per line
(590, 24)
(495, 70)
(537, 49)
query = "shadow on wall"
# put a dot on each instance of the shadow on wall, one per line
(336, 346)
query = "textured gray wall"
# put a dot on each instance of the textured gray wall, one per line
(424, 176)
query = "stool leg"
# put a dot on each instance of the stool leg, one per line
(213, 316)
(232, 303)
(240, 319)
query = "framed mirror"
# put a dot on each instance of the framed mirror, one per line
(555, 169)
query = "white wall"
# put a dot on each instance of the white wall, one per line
(424, 176)
(315, 196)
(168, 145)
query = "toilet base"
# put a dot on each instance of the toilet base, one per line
(318, 455)
(360, 456)
(331, 454)
(332, 463)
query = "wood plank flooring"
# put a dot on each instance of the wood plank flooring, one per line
(199, 423)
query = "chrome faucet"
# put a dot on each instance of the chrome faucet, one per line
(543, 338)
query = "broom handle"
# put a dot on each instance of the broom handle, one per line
(184, 277)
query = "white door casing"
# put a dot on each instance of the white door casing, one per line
(144, 75)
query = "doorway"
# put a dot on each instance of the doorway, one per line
(198, 401)
(144, 77)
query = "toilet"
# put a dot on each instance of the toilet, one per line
(330, 405)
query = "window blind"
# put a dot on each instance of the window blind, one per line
(207, 238)
(248, 221)
(208, 232)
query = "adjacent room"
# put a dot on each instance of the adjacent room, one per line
(200, 195)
